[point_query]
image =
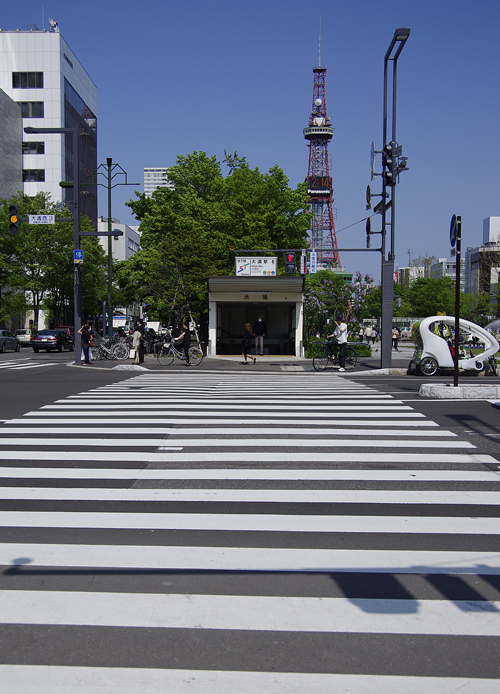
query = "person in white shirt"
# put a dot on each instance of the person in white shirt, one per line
(340, 333)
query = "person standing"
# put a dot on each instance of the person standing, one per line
(246, 342)
(340, 333)
(395, 338)
(259, 330)
(86, 340)
(136, 344)
(374, 335)
(140, 328)
(185, 336)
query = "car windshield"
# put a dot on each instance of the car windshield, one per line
(52, 333)
(22, 332)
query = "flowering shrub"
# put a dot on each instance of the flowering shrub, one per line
(327, 295)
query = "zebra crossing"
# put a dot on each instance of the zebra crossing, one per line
(24, 363)
(206, 532)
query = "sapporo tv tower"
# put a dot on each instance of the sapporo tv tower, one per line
(319, 182)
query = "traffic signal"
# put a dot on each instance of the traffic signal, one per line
(13, 219)
(390, 165)
(368, 232)
(290, 263)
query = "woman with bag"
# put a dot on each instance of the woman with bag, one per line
(87, 343)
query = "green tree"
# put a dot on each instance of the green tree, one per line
(37, 263)
(188, 232)
(429, 296)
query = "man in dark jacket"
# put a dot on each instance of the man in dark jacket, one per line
(185, 336)
(259, 330)
(141, 329)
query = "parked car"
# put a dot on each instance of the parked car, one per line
(9, 341)
(52, 339)
(24, 336)
(69, 329)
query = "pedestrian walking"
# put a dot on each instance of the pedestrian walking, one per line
(185, 336)
(361, 333)
(246, 343)
(259, 330)
(87, 339)
(340, 333)
(374, 335)
(368, 334)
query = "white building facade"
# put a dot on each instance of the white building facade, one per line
(124, 246)
(40, 72)
(447, 268)
(155, 178)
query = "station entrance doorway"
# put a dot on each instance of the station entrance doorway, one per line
(235, 301)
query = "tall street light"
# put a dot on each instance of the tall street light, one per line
(77, 291)
(393, 164)
(110, 171)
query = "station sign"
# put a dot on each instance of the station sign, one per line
(256, 267)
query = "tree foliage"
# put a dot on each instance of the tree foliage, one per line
(37, 268)
(188, 232)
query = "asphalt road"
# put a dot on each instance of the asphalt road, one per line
(229, 529)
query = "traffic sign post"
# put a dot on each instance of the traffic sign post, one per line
(78, 256)
(456, 237)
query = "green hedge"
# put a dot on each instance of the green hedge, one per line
(311, 347)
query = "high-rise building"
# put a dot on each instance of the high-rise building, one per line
(123, 247)
(155, 178)
(11, 178)
(41, 73)
(482, 264)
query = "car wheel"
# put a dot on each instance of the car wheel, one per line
(428, 366)
(18, 347)
(35, 350)
(3, 348)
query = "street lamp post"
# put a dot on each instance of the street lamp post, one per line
(77, 290)
(111, 170)
(390, 155)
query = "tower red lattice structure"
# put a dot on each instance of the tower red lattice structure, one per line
(319, 182)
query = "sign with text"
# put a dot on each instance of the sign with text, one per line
(41, 218)
(256, 267)
(313, 262)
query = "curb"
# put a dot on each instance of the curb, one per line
(442, 391)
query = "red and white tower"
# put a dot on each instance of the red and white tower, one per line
(319, 182)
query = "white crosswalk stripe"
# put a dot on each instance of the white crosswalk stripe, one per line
(22, 364)
(222, 533)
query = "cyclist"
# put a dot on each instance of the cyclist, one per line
(340, 333)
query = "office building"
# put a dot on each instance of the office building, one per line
(11, 170)
(155, 178)
(447, 268)
(482, 264)
(123, 247)
(40, 72)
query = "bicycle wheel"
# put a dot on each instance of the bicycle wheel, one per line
(493, 366)
(120, 351)
(96, 353)
(350, 359)
(165, 355)
(320, 361)
(195, 355)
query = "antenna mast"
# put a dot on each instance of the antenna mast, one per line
(319, 182)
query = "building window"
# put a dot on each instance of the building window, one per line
(27, 80)
(31, 109)
(36, 175)
(33, 148)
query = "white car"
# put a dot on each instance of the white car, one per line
(24, 336)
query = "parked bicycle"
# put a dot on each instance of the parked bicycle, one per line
(328, 353)
(491, 361)
(108, 350)
(168, 351)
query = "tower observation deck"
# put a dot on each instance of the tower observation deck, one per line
(319, 182)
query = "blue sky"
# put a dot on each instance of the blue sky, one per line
(174, 77)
